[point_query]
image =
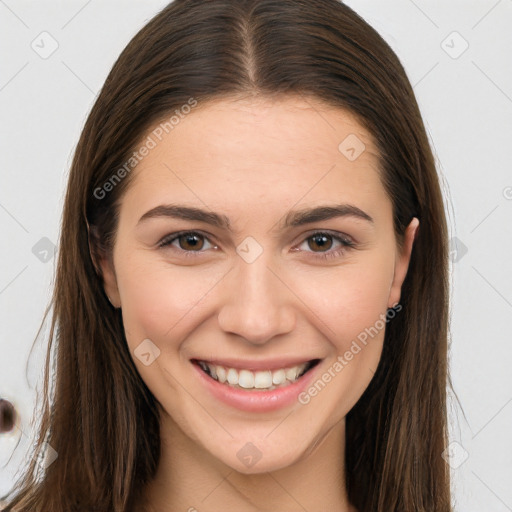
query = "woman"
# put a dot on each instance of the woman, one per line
(253, 254)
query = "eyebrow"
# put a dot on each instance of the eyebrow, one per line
(293, 218)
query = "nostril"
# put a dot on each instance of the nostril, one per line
(7, 416)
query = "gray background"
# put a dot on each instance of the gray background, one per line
(457, 56)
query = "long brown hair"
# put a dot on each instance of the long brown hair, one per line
(102, 420)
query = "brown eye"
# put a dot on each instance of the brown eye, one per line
(187, 243)
(191, 241)
(320, 241)
(324, 245)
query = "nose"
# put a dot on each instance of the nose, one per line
(258, 304)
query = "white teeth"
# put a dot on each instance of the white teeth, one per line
(247, 379)
(262, 380)
(278, 377)
(220, 371)
(291, 373)
(232, 376)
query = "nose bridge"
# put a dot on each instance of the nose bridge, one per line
(257, 306)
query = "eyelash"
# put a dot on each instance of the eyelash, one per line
(346, 244)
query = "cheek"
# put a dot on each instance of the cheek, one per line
(349, 299)
(353, 306)
(158, 298)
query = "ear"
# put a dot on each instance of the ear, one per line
(104, 266)
(402, 263)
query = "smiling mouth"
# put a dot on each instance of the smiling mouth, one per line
(265, 380)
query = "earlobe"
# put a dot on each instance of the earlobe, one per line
(402, 262)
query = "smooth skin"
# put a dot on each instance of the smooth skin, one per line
(254, 161)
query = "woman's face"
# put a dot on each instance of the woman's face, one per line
(264, 283)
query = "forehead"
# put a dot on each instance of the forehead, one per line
(231, 153)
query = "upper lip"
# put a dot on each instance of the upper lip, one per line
(258, 364)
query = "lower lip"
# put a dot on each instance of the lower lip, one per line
(256, 400)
